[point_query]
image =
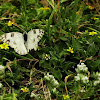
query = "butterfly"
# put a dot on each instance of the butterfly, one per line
(17, 41)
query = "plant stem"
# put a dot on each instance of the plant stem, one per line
(24, 3)
(74, 16)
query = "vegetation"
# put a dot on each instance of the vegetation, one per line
(66, 65)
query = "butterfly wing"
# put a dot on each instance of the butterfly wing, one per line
(16, 41)
(33, 37)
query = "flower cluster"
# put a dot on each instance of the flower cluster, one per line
(4, 46)
(92, 33)
(25, 89)
(95, 18)
(10, 23)
(81, 73)
(65, 96)
(86, 31)
(47, 57)
(81, 68)
(97, 76)
(70, 50)
(81, 77)
(90, 7)
(51, 79)
(51, 82)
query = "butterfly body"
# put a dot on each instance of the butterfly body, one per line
(21, 46)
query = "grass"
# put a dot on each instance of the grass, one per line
(66, 65)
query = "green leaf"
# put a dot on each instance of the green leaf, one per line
(53, 53)
(63, 53)
(91, 49)
(31, 2)
(68, 65)
(57, 73)
(63, 38)
(63, 1)
(75, 44)
(96, 64)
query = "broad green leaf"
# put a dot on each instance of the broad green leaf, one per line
(91, 49)
(75, 44)
(57, 74)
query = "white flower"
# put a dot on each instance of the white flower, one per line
(1, 85)
(81, 67)
(85, 69)
(85, 79)
(82, 64)
(49, 77)
(52, 81)
(47, 57)
(77, 78)
(96, 82)
(98, 75)
(54, 90)
(55, 83)
(81, 77)
(97, 78)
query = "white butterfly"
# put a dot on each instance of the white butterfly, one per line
(22, 47)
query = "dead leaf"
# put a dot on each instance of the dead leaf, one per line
(6, 13)
(8, 65)
(13, 15)
(45, 3)
(3, 18)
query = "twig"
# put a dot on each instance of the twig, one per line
(32, 69)
(7, 84)
(13, 20)
(66, 82)
(43, 89)
(84, 23)
(11, 62)
(91, 58)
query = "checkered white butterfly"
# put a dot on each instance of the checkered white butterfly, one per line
(22, 47)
